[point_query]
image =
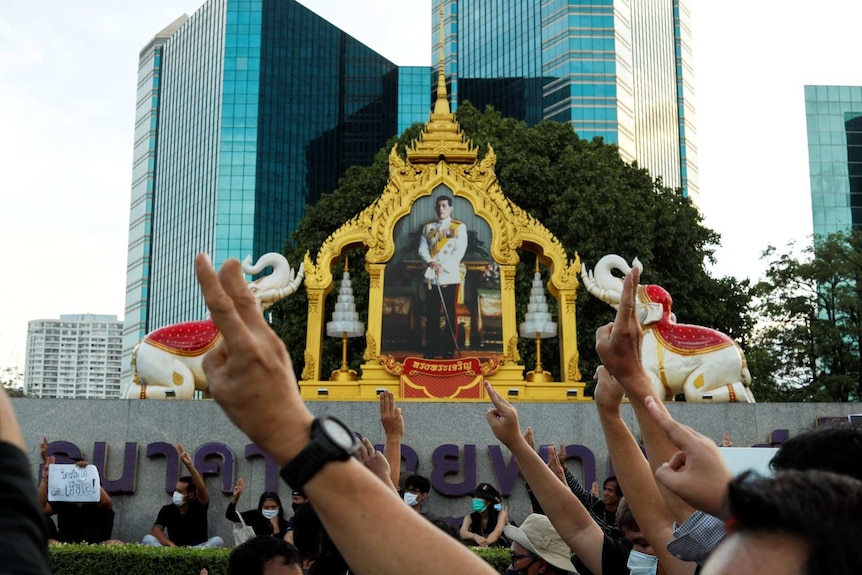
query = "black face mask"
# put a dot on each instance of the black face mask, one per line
(294, 506)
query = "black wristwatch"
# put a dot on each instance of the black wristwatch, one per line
(331, 440)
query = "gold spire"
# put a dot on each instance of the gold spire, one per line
(442, 138)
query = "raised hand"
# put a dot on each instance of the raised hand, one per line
(609, 393)
(390, 415)
(43, 449)
(554, 463)
(595, 490)
(503, 418)
(237, 489)
(528, 437)
(697, 473)
(250, 374)
(619, 343)
(184, 456)
(373, 460)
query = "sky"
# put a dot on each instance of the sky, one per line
(69, 72)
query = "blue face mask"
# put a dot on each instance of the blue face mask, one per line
(498, 506)
(641, 563)
(479, 505)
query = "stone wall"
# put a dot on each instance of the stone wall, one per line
(452, 444)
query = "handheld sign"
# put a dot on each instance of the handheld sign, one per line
(68, 482)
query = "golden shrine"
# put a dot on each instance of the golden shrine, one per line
(442, 175)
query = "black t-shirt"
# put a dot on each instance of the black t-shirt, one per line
(184, 529)
(615, 557)
(84, 523)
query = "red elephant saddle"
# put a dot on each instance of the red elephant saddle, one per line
(689, 339)
(190, 338)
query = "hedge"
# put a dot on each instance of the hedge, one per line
(69, 559)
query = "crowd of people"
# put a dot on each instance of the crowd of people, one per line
(677, 511)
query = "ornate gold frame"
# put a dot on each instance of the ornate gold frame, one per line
(442, 155)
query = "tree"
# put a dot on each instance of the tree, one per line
(808, 348)
(592, 200)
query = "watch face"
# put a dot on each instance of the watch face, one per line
(339, 434)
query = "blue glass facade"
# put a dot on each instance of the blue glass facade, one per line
(414, 95)
(834, 120)
(262, 106)
(615, 69)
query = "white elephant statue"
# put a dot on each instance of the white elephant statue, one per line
(702, 363)
(169, 361)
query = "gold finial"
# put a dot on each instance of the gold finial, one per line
(441, 106)
(537, 263)
(442, 138)
(345, 263)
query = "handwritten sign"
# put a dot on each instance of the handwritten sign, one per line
(67, 482)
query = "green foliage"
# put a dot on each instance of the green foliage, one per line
(496, 557)
(589, 198)
(68, 559)
(808, 348)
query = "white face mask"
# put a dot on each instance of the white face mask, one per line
(178, 498)
(269, 513)
(641, 563)
(411, 499)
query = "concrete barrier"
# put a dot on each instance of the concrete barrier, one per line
(131, 441)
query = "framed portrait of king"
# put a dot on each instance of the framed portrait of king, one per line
(441, 295)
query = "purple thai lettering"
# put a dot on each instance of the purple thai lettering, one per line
(445, 461)
(270, 478)
(126, 483)
(211, 468)
(506, 473)
(172, 467)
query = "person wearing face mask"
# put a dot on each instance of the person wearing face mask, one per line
(416, 489)
(537, 548)
(185, 518)
(484, 526)
(267, 519)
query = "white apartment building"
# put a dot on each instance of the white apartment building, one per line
(75, 357)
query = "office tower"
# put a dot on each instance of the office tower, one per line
(77, 356)
(248, 111)
(618, 69)
(834, 118)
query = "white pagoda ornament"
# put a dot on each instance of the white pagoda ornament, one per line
(538, 324)
(345, 323)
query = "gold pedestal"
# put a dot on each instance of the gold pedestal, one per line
(344, 375)
(539, 376)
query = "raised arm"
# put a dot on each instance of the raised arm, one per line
(568, 515)
(231, 513)
(393, 427)
(201, 494)
(635, 476)
(251, 377)
(623, 361)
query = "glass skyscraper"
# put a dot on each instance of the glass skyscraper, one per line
(834, 119)
(247, 112)
(618, 69)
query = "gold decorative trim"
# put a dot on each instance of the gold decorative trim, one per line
(308, 370)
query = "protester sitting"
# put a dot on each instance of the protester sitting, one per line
(185, 518)
(267, 519)
(264, 556)
(537, 548)
(251, 376)
(416, 490)
(78, 521)
(297, 498)
(484, 526)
